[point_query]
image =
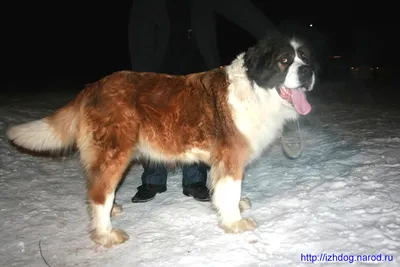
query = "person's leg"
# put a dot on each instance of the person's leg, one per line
(141, 36)
(194, 181)
(247, 16)
(154, 180)
(148, 41)
(204, 31)
(162, 32)
(148, 34)
(202, 16)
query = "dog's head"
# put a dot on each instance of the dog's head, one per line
(284, 65)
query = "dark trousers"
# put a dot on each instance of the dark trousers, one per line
(157, 174)
(148, 34)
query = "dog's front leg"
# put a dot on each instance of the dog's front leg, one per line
(226, 198)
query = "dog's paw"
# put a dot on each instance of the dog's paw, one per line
(244, 204)
(245, 224)
(116, 210)
(108, 239)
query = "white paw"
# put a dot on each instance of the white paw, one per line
(244, 204)
(116, 210)
(108, 239)
(243, 225)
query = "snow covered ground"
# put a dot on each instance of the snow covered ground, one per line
(341, 197)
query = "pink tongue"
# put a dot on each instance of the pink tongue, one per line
(300, 102)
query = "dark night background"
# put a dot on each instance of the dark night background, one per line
(54, 45)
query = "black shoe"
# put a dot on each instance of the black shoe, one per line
(147, 192)
(198, 191)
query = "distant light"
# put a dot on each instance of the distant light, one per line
(311, 25)
(337, 56)
(377, 68)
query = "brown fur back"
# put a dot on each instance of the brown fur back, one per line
(172, 113)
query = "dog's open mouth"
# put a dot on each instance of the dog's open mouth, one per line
(297, 97)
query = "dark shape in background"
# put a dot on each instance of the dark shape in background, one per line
(62, 46)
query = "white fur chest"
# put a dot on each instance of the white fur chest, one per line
(258, 113)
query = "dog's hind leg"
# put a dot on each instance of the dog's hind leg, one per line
(103, 179)
(226, 193)
(105, 159)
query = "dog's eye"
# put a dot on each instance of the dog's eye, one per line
(285, 60)
(303, 57)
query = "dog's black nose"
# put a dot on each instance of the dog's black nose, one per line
(305, 71)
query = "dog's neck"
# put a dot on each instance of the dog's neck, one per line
(237, 69)
(258, 113)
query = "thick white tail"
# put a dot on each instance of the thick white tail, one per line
(51, 133)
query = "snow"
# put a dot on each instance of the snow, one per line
(342, 197)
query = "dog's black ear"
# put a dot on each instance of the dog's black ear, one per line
(250, 58)
(257, 58)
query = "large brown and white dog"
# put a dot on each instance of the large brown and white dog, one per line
(224, 117)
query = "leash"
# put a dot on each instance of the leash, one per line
(289, 150)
